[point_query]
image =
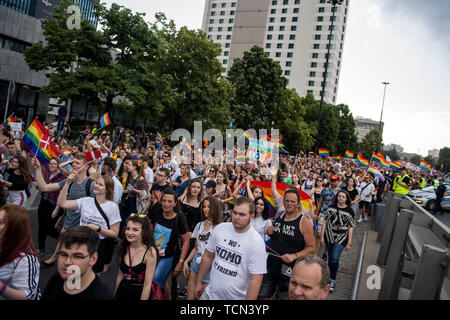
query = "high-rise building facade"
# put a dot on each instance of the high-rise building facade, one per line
(294, 33)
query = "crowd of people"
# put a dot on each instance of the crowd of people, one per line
(168, 219)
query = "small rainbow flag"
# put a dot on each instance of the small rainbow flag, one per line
(186, 146)
(324, 152)
(377, 157)
(395, 165)
(424, 165)
(266, 186)
(326, 174)
(442, 167)
(339, 158)
(8, 121)
(349, 154)
(302, 154)
(362, 161)
(37, 142)
(67, 152)
(116, 155)
(376, 173)
(240, 158)
(247, 137)
(105, 121)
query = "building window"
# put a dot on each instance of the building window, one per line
(320, 19)
(227, 45)
(316, 46)
(282, 28)
(290, 55)
(231, 21)
(311, 83)
(222, 13)
(321, 9)
(288, 63)
(229, 37)
(213, 13)
(219, 29)
(225, 61)
(279, 46)
(211, 21)
(270, 28)
(233, 4)
(268, 45)
(283, 19)
(214, 5)
(221, 21)
(291, 46)
(268, 54)
(287, 73)
(315, 55)
(297, 1)
(224, 5)
(232, 13)
(226, 53)
(312, 74)
(269, 37)
(219, 37)
(230, 29)
(280, 37)
(293, 28)
(278, 54)
(210, 29)
(317, 37)
(296, 10)
(272, 19)
(310, 91)
(209, 37)
(284, 11)
(224, 70)
(318, 28)
(273, 11)
(285, 2)
(292, 37)
(274, 2)
(313, 64)
(294, 19)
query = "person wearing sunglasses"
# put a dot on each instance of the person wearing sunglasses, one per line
(138, 259)
(75, 279)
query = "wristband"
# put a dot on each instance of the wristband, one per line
(3, 289)
(181, 260)
(99, 229)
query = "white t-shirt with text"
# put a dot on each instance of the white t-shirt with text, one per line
(91, 215)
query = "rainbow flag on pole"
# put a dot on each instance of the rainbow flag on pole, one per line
(349, 154)
(376, 173)
(38, 143)
(266, 186)
(424, 165)
(362, 161)
(395, 165)
(324, 152)
(105, 121)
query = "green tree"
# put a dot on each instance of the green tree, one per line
(259, 86)
(431, 160)
(289, 119)
(330, 122)
(372, 142)
(191, 61)
(102, 65)
(393, 154)
(444, 158)
(347, 139)
(416, 159)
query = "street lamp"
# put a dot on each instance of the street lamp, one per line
(335, 3)
(382, 107)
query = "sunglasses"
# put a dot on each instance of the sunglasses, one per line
(137, 215)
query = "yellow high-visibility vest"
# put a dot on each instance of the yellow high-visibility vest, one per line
(400, 189)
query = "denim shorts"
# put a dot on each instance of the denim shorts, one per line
(195, 267)
(162, 271)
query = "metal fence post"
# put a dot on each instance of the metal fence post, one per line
(391, 218)
(384, 218)
(429, 274)
(391, 279)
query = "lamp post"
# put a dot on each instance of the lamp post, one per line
(382, 107)
(335, 3)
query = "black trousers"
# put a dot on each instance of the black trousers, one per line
(46, 223)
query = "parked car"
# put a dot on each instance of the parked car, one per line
(426, 197)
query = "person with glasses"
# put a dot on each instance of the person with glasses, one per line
(138, 259)
(211, 176)
(75, 278)
(48, 211)
(18, 179)
(19, 263)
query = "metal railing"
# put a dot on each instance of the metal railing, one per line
(414, 249)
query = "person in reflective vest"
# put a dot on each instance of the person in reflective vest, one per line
(404, 183)
(423, 182)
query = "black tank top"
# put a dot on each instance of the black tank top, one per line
(192, 215)
(135, 274)
(287, 237)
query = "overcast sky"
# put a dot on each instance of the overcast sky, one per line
(404, 42)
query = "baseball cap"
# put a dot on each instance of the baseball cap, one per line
(210, 184)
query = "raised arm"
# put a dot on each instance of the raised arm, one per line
(42, 186)
(62, 198)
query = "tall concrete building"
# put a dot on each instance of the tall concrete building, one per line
(294, 33)
(364, 126)
(20, 27)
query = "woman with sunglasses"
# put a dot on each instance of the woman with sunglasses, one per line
(100, 214)
(19, 263)
(211, 176)
(211, 215)
(138, 259)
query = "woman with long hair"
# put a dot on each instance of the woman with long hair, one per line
(182, 182)
(122, 173)
(19, 263)
(223, 191)
(18, 179)
(261, 221)
(211, 215)
(48, 211)
(101, 214)
(138, 258)
(190, 203)
(337, 231)
(136, 190)
(352, 190)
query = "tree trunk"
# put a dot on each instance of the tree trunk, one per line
(109, 104)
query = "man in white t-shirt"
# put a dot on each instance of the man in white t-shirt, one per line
(366, 190)
(236, 256)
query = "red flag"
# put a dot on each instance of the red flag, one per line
(93, 155)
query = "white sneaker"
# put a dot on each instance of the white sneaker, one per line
(332, 285)
(365, 218)
(360, 219)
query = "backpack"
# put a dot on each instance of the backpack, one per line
(87, 187)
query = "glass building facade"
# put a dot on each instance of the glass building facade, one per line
(24, 6)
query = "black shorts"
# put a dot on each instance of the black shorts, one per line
(105, 248)
(273, 284)
(364, 204)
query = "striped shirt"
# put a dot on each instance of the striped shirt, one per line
(22, 274)
(52, 196)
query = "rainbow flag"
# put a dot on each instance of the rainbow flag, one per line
(247, 137)
(186, 146)
(361, 161)
(38, 143)
(116, 155)
(326, 174)
(266, 186)
(67, 152)
(376, 173)
(240, 158)
(377, 157)
(8, 121)
(395, 165)
(104, 121)
(302, 154)
(442, 167)
(424, 165)
(349, 154)
(324, 152)
(339, 157)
